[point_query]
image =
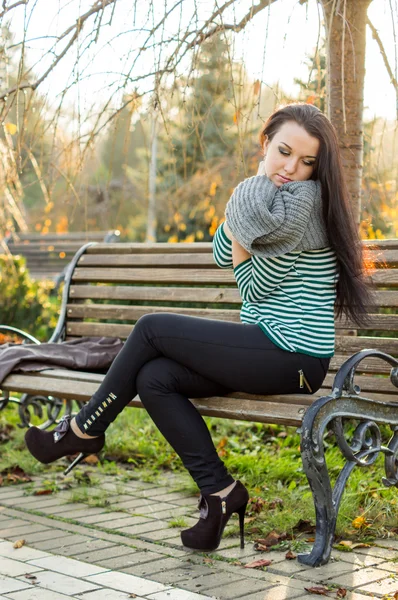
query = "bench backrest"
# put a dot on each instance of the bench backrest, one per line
(112, 285)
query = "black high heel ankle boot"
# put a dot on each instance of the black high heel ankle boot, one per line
(47, 446)
(215, 513)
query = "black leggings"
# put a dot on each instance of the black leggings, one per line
(169, 358)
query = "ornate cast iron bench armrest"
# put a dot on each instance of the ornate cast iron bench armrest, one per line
(345, 402)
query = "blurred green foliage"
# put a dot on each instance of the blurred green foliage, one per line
(25, 303)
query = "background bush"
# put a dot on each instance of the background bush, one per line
(26, 303)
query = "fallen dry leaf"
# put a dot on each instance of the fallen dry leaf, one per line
(19, 544)
(255, 506)
(341, 593)
(91, 459)
(303, 526)
(257, 564)
(290, 555)
(29, 576)
(261, 547)
(395, 596)
(272, 539)
(42, 492)
(319, 590)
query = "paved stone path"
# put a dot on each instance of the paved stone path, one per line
(130, 548)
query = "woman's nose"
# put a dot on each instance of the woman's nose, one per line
(290, 165)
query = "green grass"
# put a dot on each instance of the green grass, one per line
(263, 457)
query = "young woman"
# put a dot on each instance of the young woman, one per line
(292, 241)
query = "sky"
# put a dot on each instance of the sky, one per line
(274, 47)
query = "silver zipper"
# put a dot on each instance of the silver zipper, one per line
(303, 380)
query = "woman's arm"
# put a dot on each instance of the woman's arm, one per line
(239, 254)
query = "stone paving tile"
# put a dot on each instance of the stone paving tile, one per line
(8, 529)
(57, 581)
(107, 594)
(292, 567)
(30, 502)
(146, 527)
(11, 585)
(76, 514)
(37, 594)
(148, 568)
(25, 553)
(126, 583)
(181, 573)
(167, 513)
(239, 588)
(152, 492)
(128, 559)
(178, 595)
(89, 545)
(14, 568)
(8, 522)
(46, 534)
(25, 530)
(392, 544)
(136, 504)
(126, 522)
(59, 543)
(208, 582)
(386, 553)
(164, 534)
(362, 577)
(170, 497)
(281, 592)
(102, 553)
(388, 585)
(103, 518)
(62, 508)
(243, 555)
(67, 566)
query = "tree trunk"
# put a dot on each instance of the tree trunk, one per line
(345, 24)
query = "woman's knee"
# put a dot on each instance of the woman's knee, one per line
(154, 379)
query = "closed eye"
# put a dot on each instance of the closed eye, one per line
(308, 163)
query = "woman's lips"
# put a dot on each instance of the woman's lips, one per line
(283, 179)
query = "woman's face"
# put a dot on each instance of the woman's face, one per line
(290, 155)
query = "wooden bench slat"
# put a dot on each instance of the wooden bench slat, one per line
(149, 260)
(190, 276)
(123, 312)
(385, 298)
(387, 258)
(148, 248)
(168, 294)
(144, 275)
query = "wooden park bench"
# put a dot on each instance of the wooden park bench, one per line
(109, 286)
(48, 255)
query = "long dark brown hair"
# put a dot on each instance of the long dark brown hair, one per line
(353, 291)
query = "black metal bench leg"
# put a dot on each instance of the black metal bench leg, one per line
(318, 478)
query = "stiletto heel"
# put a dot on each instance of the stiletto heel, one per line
(241, 512)
(73, 464)
(215, 513)
(47, 446)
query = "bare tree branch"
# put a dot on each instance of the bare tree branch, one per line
(100, 5)
(7, 9)
(384, 55)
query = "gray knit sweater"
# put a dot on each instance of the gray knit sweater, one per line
(269, 221)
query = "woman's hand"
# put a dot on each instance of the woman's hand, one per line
(239, 254)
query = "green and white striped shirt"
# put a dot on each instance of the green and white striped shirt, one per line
(291, 297)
